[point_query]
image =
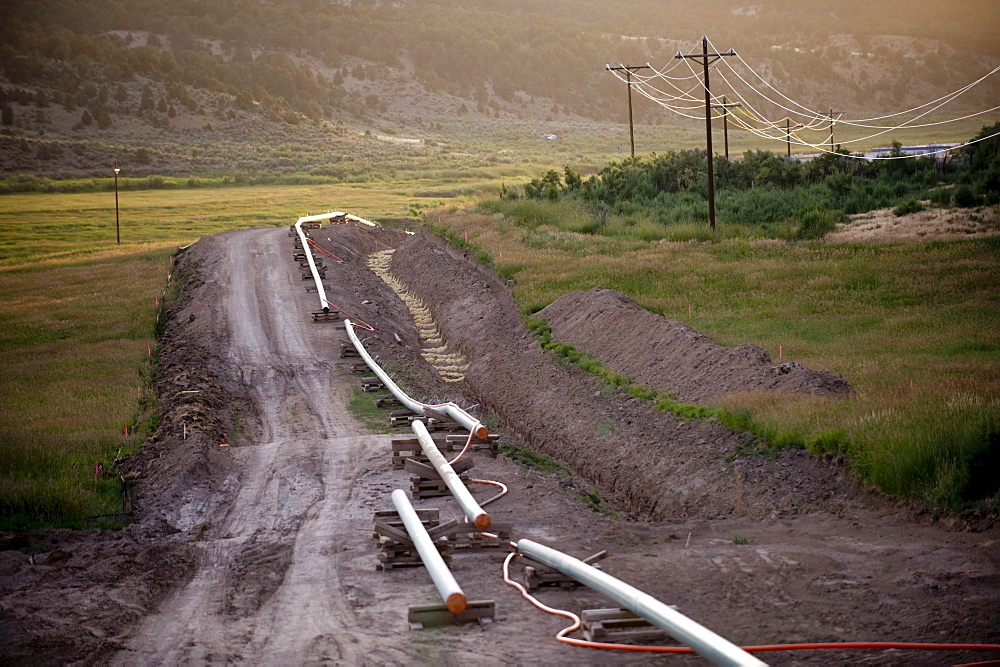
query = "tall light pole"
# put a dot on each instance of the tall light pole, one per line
(118, 233)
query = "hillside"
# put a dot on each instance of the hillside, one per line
(244, 85)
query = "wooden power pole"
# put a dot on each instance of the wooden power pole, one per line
(707, 59)
(628, 79)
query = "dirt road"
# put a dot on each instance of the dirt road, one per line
(268, 587)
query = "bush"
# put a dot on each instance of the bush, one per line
(909, 206)
(940, 197)
(818, 222)
(965, 196)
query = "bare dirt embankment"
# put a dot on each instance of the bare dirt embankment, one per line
(261, 551)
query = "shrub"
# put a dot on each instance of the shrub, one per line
(965, 196)
(909, 206)
(818, 222)
(940, 197)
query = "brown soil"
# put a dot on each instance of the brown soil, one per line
(262, 552)
(670, 356)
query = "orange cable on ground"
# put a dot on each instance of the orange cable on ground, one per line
(322, 249)
(363, 325)
(843, 646)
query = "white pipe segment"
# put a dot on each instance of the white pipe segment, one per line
(312, 263)
(470, 507)
(710, 645)
(442, 577)
(462, 417)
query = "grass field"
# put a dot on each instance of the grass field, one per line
(77, 319)
(914, 327)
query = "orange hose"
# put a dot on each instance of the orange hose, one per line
(323, 250)
(355, 321)
(843, 646)
(503, 490)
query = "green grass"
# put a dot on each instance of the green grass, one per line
(362, 407)
(78, 316)
(533, 459)
(879, 315)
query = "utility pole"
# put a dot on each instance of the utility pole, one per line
(725, 119)
(118, 233)
(628, 79)
(706, 60)
(788, 133)
(832, 121)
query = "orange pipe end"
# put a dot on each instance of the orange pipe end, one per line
(455, 603)
(483, 521)
(482, 432)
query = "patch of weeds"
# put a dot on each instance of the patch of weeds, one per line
(535, 460)
(605, 427)
(596, 503)
(740, 539)
(362, 407)
(491, 421)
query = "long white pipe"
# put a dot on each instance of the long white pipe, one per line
(717, 649)
(442, 577)
(312, 263)
(465, 500)
(462, 417)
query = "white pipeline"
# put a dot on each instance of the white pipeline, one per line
(312, 263)
(469, 505)
(462, 417)
(710, 645)
(442, 577)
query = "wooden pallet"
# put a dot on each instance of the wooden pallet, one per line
(466, 537)
(347, 350)
(491, 445)
(409, 448)
(324, 316)
(538, 576)
(436, 615)
(618, 625)
(395, 546)
(371, 384)
(386, 401)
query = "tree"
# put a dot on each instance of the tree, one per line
(7, 115)
(86, 118)
(146, 103)
(142, 156)
(121, 95)
(103, 119)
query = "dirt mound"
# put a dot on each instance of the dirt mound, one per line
(652, 463)
(671, 356)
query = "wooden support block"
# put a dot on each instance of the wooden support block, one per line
(387, 401)
(618, 625)
(395, 546)
(322, 316)
(361, 367)
(431, 488)
(430, 472)
(491, 445)
(538, 576)
(348, 351)
(436, 615)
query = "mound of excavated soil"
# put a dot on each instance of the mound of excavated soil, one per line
(654, 464)
(671, 356)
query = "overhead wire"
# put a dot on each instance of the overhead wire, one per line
(746, 116)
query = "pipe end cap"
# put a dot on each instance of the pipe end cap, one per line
(483, 521)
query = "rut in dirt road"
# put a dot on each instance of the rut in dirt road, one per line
(268, 587)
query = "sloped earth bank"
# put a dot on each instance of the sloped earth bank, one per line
(670, 356)
(261, 552)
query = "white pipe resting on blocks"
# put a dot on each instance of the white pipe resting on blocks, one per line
(462, 417)
(312, 264)
(442, 577)
(469, 505)
(710, 645)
